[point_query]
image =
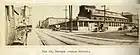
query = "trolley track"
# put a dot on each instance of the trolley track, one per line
(71, 39)
(41, 39)
(91, 38)
(74, 39)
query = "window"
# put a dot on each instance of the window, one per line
(74, 24)
(109, 24)
(86, 24)
(120, 20)
(80, 24)
(109, 19)
(95, 25)
(115, 19)
(100, 18)
(95, 18)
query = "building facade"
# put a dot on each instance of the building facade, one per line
(89, 15)
(48, 22)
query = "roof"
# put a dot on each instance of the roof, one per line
(88, 6)
(126, 13)
(88, 20)
(107, 11)
(115, 16)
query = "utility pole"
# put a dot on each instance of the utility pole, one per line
(70, 17)
(104, 6)
(137, 14)
(66, 16)
(137, 19)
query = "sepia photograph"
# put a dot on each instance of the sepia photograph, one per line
(72, 24)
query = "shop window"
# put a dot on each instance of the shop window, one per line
(74, 23)
(80, 24)
(86, 24)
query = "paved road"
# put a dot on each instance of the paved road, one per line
(49, 37)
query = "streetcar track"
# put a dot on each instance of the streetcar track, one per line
(80, 40)
(58, 39)
(76, 39)
(96, 39)
(41, 39)
(135, 41)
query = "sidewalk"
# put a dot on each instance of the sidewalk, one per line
(33, 39)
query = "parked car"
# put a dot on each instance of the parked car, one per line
(56, 28)
(101, 28)
(134, 29)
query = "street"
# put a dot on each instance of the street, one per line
(49, 37)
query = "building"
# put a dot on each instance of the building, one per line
(90, 17)
(133, 19)
(51, 21)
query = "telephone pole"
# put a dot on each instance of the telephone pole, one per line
(66, 16)
(104, 6)
(70, 17)
(137, 18)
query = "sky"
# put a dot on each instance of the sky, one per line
(41, 12)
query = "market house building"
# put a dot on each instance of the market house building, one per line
(89, 18)
(90, 15)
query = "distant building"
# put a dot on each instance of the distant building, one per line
(52, 21)
(133, 19)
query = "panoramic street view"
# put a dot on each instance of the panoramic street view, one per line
(72, 25)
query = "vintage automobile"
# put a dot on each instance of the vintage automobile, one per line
(101, 28)
(123, 27)
(56, 28)
(134, 29)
